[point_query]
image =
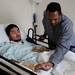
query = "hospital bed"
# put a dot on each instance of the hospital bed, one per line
(8, 67)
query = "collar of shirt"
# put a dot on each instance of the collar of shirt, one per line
(20, 42)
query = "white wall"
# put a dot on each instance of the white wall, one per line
(68, 8)
(16, 11)
(20, 12)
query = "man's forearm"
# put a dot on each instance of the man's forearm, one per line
(58, 55)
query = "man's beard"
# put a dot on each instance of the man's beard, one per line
(17, 40)
(55, 35)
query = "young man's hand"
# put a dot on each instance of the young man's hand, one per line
(44, 66)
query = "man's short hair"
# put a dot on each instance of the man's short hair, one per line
(9, 27)
(54, 6)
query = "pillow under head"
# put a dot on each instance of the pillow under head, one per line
(3, 35)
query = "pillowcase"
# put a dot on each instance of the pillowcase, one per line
(3, 35)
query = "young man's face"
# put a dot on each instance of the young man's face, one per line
(54, 18)
(15, 34)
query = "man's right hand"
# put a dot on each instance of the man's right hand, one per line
(42, 37)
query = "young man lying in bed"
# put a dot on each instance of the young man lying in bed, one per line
(14, 35)
(18, 49)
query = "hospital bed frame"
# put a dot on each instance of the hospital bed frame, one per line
(7, 67)
(35, 37)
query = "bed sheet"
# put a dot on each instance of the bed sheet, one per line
(19, 51)
(23, 52)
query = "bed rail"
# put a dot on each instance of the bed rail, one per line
(11, 68)
(35, 37)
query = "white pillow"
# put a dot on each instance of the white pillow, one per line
(3, 35)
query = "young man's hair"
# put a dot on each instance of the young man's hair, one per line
(9, 27)
(54, 6)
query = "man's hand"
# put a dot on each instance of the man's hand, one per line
(42, 37)
(44, 66)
